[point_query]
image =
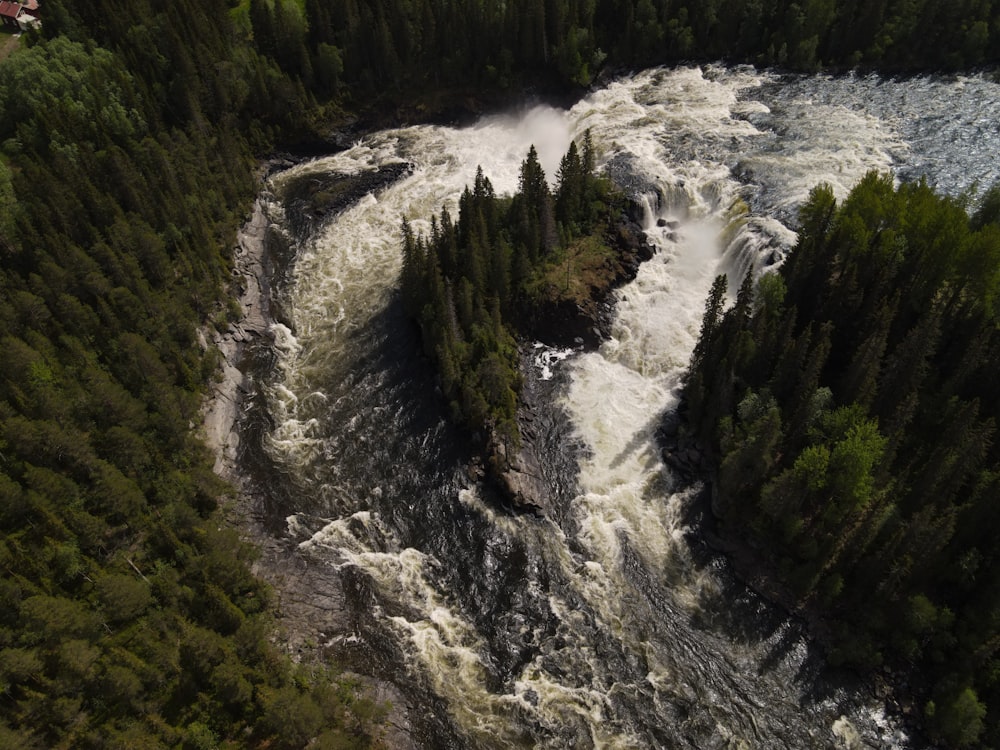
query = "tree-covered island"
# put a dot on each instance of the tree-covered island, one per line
(512, 267)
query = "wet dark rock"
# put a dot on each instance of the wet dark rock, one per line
(670, 425)
(625, 172)
(667, 223)
(521, 476)
(679, 450)
(568, 324)
(521, 481)
(312, 199)
(540, 477)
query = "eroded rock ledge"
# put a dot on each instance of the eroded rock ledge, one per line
(313, 198)
(251, 282)
(587, 322)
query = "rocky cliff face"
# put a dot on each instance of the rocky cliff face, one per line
(540, 476)
(313, 198)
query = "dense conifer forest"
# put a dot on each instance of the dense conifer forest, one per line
(850, 400)
(129, 136)
(475, 284)
(128, 615)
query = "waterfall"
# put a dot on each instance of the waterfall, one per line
(607, 624)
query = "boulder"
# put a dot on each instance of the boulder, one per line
(523, 484)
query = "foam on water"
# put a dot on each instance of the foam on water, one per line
(546, 358)
(607, 607)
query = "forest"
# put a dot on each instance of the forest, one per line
(850, 403)
(130, 138)
(128, 614)
(474, 284)
(360, 50)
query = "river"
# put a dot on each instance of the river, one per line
(605, 624)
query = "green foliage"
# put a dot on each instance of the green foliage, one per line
(393, 47)
(958, 717)
(50, 105)
(469, 283)
(8, 204)
(127, 617)
(854, 429)
(126, 139)
(988, 211)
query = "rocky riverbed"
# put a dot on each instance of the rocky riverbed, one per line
(311, 596)
(312, 612)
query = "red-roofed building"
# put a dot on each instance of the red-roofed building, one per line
(9, 13)
(17, 16)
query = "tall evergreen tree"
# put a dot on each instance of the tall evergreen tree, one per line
(854, 439)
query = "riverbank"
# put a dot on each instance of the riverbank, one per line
(311, 608)
(890, 685)
(749, 565)
(226, 397)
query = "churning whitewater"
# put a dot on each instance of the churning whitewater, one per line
(603, 625)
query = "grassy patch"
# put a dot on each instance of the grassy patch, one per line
(588, 263)
(9, 42)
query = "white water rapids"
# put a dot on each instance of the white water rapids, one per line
(599, 628)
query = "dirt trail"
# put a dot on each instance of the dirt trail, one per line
(8, 43)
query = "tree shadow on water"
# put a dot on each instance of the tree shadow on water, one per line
(643, 437)
(780, 640)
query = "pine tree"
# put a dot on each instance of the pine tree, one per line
(412, 277)
(711, 320)
(703, 365)
(861, 378)
(570, 190)
(903, 375)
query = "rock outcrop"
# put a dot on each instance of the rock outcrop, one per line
(679, 450)
(250, 280)
(522, 481)
(521, 476)
(587, 321)
(312, 198)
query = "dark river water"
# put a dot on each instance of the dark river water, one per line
(604, 624)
